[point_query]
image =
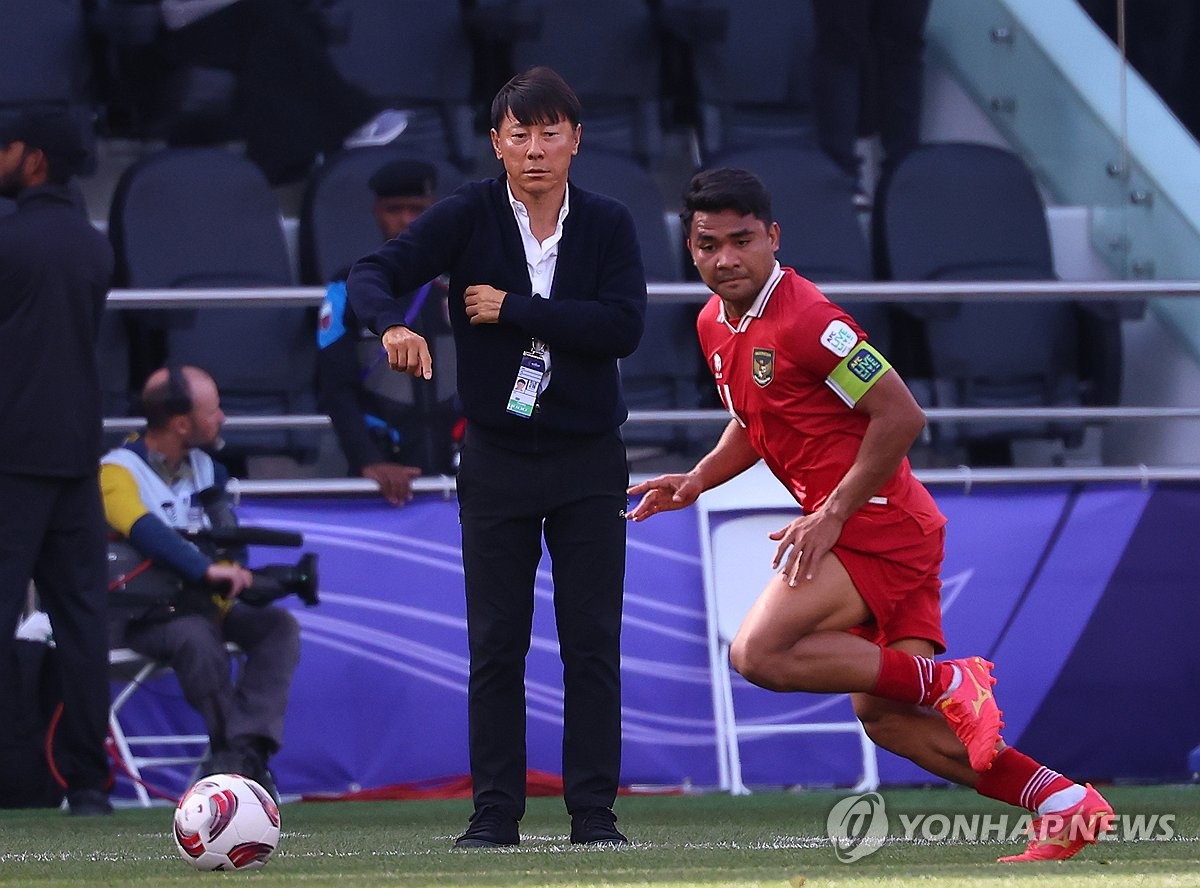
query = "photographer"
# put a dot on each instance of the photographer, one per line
(157, 487)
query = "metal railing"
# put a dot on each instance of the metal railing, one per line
(886, 291)
(1132, 293)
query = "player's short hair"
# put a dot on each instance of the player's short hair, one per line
(538, 96)
(726, 188)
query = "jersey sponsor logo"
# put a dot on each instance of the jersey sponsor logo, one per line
(864, 365)
(762, 366)
(839, 338)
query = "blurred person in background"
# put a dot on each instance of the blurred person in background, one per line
(55, 271)
(868, 77)
(290, 102)
(389, 426)
(155, 486)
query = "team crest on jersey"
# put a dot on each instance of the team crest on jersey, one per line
(762, 365)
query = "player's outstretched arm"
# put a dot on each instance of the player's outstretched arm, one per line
(731, 456)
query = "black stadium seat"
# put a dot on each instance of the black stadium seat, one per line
(206, 217)
(336, 226)
(414, 55)
(752, 70)
(967, 212)
(45, 62)
(609, 53)
(666, 369)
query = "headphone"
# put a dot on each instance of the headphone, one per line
(179, 398)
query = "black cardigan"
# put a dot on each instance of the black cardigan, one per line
(594, 315)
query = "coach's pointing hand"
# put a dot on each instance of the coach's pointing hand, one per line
(407, 351)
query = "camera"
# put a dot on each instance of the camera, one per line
(271, 581)
(140, 589)
(226, 540)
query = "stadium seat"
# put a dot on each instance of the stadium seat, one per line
(666, 370)
(45, 62)
(611, 59)
(968, 212)
(206, 217)
(752, 69)
(336, 226)
(820, 232)
(415, 55)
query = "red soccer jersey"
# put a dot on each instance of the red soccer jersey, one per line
(772, 372)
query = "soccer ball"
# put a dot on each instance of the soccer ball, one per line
(226, 822)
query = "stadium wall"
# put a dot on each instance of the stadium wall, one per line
(1083, 594)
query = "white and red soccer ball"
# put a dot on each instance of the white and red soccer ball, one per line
(226, 822)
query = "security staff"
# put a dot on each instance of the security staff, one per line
(55, 270)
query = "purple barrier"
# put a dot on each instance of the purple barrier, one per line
(1042, 579)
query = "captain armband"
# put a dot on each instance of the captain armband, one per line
(857, 372)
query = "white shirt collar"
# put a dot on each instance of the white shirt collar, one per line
(522, 212)
(760, 301)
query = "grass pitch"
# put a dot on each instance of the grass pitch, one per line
(768, 839)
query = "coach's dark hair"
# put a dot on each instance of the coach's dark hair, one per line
(726, 188)
(538, 96)
(166, 399)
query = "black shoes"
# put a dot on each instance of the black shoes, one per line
(490, 827)
(88, 803)
(596, 826)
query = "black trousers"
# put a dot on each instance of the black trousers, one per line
(507, 501)
(52, 531)
(868, 60)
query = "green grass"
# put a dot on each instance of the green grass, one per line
(769, 839)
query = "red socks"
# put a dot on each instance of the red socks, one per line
(911, 679)
(1017, 779)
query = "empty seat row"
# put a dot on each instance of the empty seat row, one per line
(206, 217)
(737, 71)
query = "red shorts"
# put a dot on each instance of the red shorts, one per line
(901, 587)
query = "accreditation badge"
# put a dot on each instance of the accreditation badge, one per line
(523, 398)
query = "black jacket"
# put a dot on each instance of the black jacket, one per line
(594, 315)
(55, 271)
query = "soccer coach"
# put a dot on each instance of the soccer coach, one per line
(547, 292)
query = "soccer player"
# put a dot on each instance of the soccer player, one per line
(854, 607)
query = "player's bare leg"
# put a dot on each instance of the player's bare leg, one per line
(794, 638)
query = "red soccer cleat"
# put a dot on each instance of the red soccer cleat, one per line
(972, 712)
(1061, 835)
